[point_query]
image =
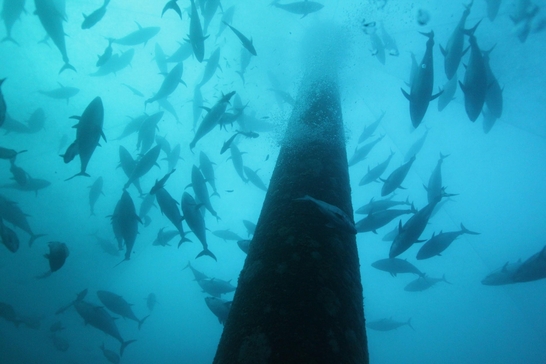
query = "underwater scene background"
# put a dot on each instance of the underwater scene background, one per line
(492, 169)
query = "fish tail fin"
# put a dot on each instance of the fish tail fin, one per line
(124, 345)
(142, 321)
(409, 324)
(183, 240)
(78, 174)
(429, 34)
(466, 231)
(34, 237)
(8, 38)
(44, 275)
(215, 193)
(470, 32)
(67, 66)
(124, 259)
(206, 251)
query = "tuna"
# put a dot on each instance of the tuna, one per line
(378, 49)
(196, 37)
(145, 206)
(212, 118)
(58, 252)
(375, 173)
(502, 276)
(11, 11)
(450, 87)
(396, 266)
(111, 356)
(492, 8)
(118, 305)
(196, 223)
(227, 17)
(140, 36)
(144, 165)
(370, 129)
(127, 163)
(200, 188)
(32, 185)
(173, 157)
(10, 212)
(219, 307)
(172, 5)
(250, 227)
(244, 245)
(435, 187)
(378, 219)
(389, 42)
(387, 324)
(226, 235)
(417, 146)
(380, 205)
(169, 208)
(125, 223)
(115, 63)
(216, 287)
(205, 165)
(396, 178)
(161, 183)
(19, 175)
(409, 233)
(61, 93)
(453, 51)
(132, 126)
(421, 87)
(151, 300)
(196, 274)
(164, 237)
(336, 217)
(99, 318)
(255, 179)
(302, 8)
(210, 68)
(493, 96)
(106, 54)
(93, 18)
(247, 43)
(9, 237)
(52, 21)
(423, 283)
(170, 83)
(88, 133)
(146, 133)
(532, 269)
(362, 152)
(95, 191)
(475, 79)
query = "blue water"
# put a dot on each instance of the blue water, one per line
(498, 178)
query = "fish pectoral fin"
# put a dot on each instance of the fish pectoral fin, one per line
(436, 95)
(406, 94)
(443, 50)
(463, 87)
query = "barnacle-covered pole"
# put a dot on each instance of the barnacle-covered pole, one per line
(299, 296)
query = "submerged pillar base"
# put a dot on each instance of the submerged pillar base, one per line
(299, 295)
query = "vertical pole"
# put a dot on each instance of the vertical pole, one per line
(299, 295)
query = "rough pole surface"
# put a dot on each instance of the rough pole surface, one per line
(299, 295)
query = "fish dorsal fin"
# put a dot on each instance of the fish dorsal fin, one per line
(139, 26)
(505, 267)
